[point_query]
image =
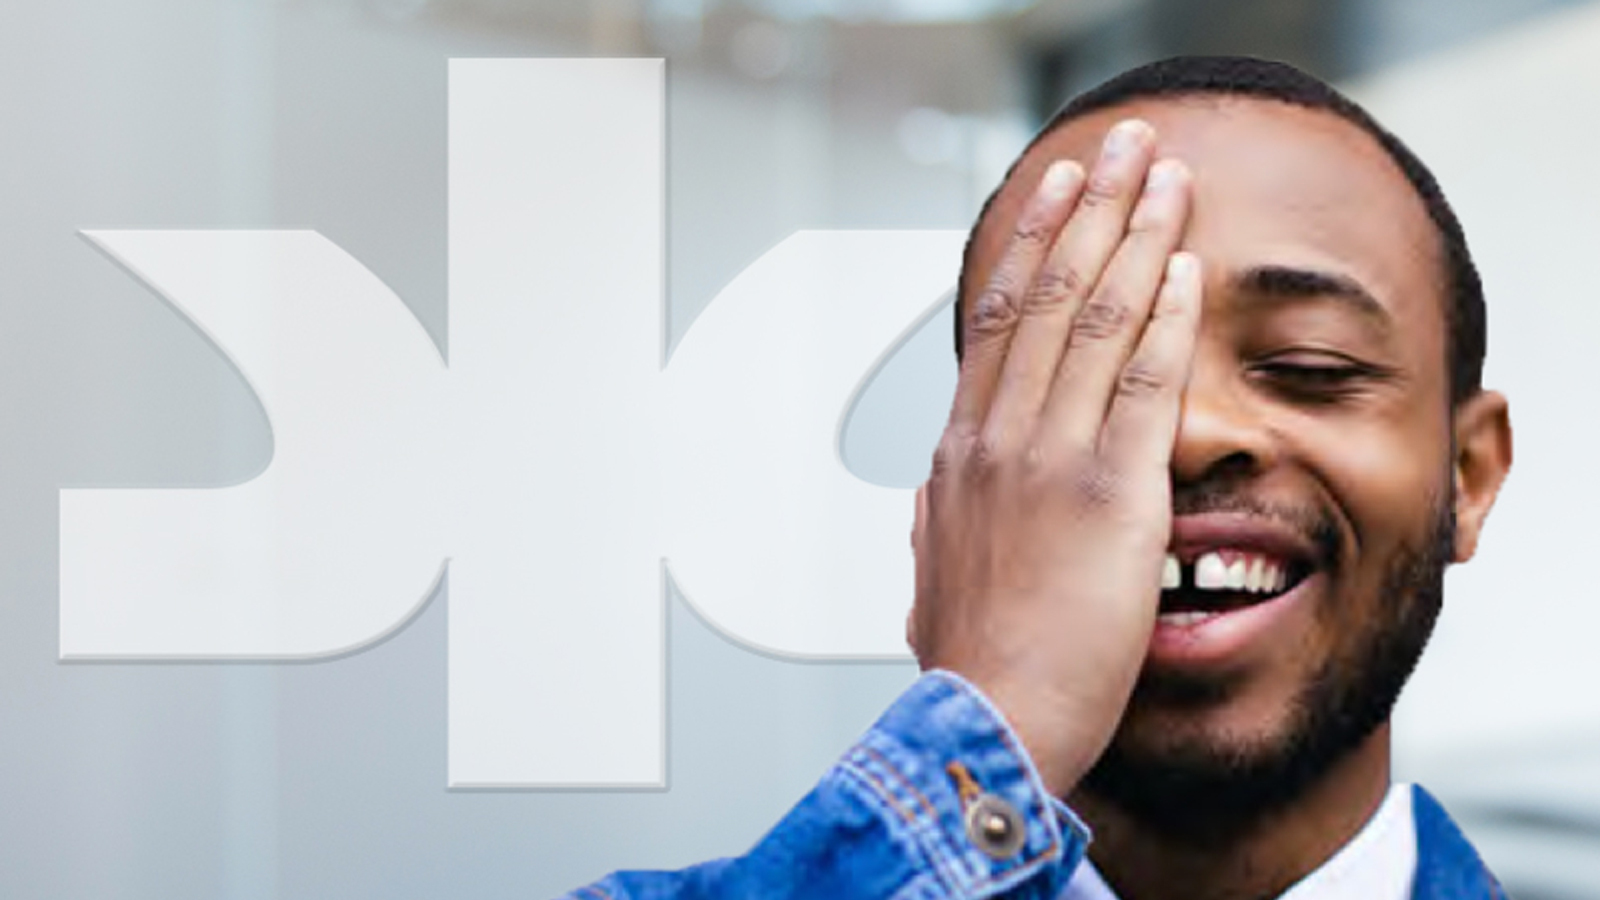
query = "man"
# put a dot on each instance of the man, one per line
(1218, 431)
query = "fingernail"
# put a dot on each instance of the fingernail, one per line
(1163, 176)
(1182, 266)
(1058, 178)
(1125, 137)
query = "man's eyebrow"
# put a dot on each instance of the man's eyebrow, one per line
(1276, 282)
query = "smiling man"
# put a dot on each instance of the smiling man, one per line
(1218, 432)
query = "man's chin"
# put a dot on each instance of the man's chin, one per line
(1197, 781)
(1205, 760)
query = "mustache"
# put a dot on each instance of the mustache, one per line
(1316, 524)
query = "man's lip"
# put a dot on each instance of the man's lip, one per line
(1226, 638)
(1195, 535)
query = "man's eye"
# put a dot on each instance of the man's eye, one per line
(1313, 374)
(1314, 381)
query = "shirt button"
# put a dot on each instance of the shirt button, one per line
(995, 826)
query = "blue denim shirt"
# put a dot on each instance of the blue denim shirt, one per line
(938, 800)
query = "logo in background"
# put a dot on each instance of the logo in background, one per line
(554, 467)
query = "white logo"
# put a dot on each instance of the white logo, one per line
(554, 467)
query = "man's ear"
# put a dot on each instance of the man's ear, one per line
(1483, 457)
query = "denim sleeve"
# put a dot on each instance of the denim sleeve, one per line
(937, 800)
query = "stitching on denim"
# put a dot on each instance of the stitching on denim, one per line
(918, 841)
(899, 776)
(949, 870)
(919, 888)
(879, 788)
(982, 875)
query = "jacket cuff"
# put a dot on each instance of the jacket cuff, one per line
(954, 780)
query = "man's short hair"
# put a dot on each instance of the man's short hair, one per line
(1232, 76)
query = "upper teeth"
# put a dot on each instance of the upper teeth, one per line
(1247, 572)
(1171, 573)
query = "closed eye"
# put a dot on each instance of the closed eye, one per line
(1323, 380)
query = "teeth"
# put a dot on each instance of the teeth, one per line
(1184, 619)
(1210, 572)
(1271, 577)
(1237, 574)
(1171, 573)
(1248, 572)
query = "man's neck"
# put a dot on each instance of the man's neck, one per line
(1266, 860)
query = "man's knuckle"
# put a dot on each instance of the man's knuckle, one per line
(1032, 465)
(1054, 288)
(1104, 316)
(988, 453)
(953, 447)
(1041, 299)
(1140, 379)
(994, 309)
(1101, 189)
(1031, 231)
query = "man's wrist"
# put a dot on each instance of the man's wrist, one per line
(1059, 749)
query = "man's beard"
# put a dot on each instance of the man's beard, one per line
(1208, 793)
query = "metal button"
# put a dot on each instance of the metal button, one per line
(995, 826)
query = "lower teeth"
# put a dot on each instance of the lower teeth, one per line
(1183, 619)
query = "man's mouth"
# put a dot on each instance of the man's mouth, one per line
(1202, 584)
(1236, 582)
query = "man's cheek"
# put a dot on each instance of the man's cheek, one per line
(1385, 484)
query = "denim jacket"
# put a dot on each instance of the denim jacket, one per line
(938, 800)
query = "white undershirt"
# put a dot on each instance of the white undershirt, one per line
(1379, 863)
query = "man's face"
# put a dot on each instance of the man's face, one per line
(1315, 434)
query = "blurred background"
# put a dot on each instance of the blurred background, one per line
(327, 779)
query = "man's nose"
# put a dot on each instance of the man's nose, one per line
(1222, 433)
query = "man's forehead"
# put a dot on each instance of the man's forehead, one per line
(1275, 184)
(1198, 124)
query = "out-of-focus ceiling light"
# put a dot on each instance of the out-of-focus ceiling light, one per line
(890, 10)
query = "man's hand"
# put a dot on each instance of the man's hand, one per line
(1041, 533)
